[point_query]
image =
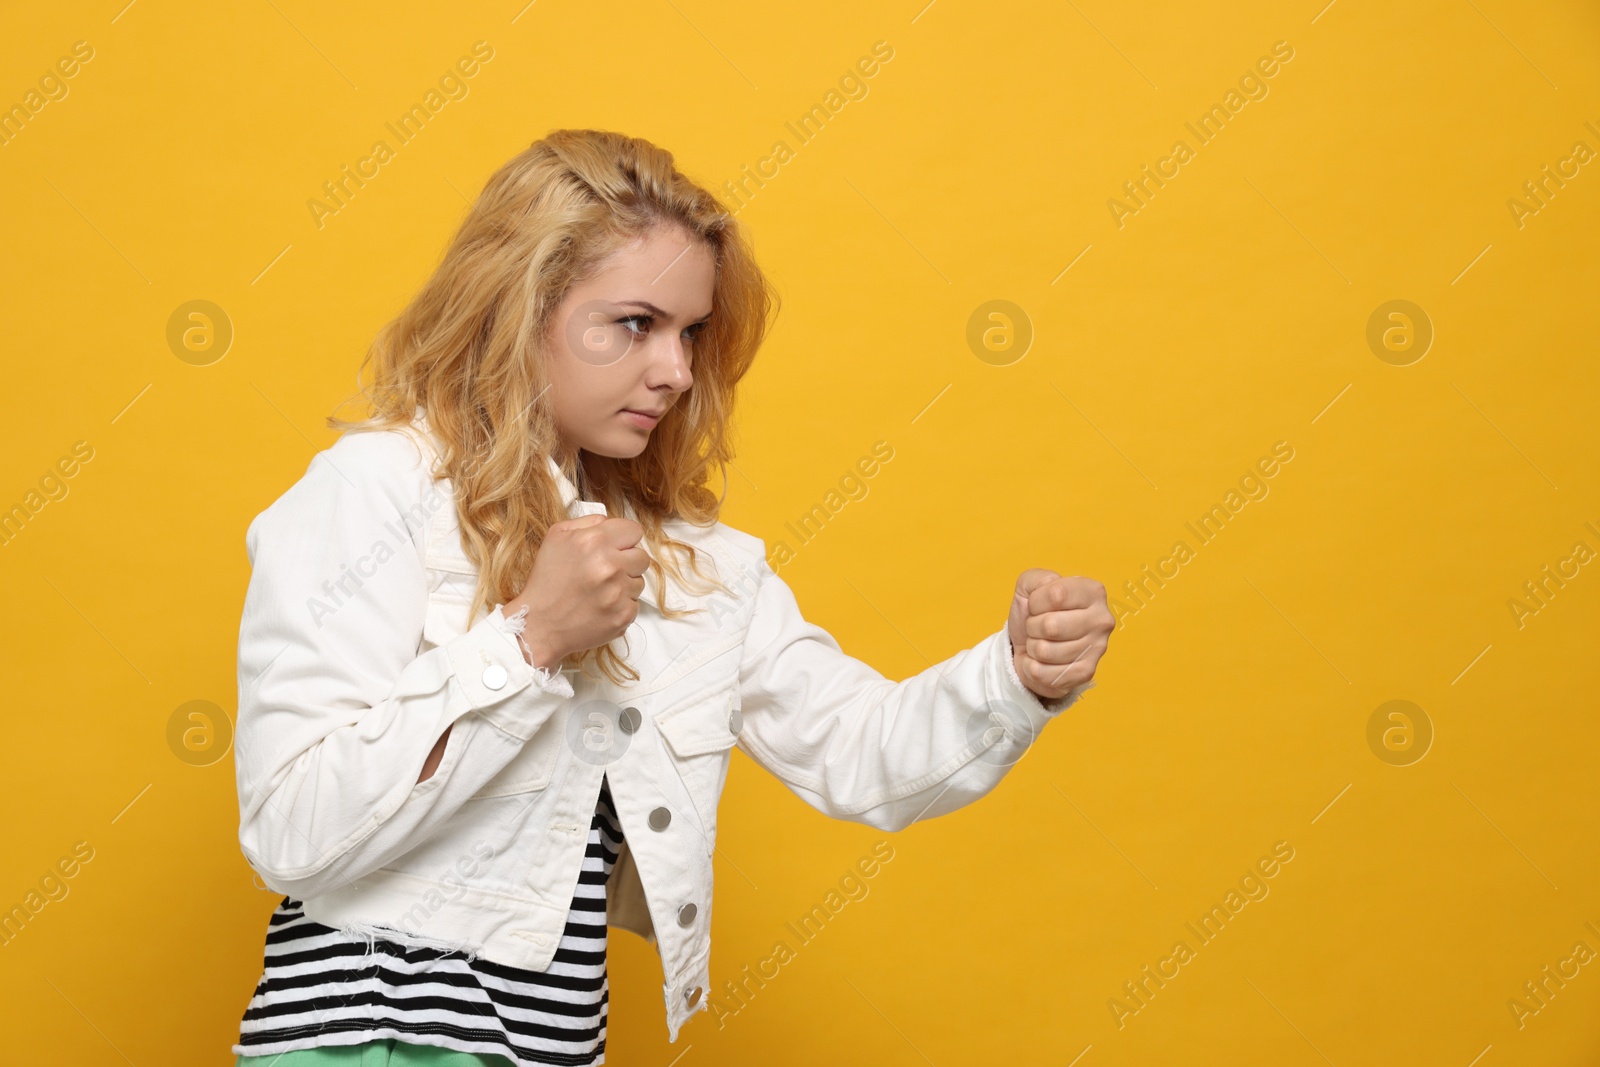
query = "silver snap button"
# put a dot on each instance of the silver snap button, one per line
(659, 818)
(495, 676)
(686, 915)
(735, 720)
(629, 720)
(692, 997)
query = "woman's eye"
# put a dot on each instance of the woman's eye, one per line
(690, 332)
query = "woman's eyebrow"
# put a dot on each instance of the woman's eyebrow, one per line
(653, 309)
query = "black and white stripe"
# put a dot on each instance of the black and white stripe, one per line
(320, 987)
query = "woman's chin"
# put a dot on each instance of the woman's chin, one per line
(620, 448)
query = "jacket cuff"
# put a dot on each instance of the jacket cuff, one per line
(498, 683)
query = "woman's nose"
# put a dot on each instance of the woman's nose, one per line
(671, 365)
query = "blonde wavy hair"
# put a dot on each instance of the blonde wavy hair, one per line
(470, 349)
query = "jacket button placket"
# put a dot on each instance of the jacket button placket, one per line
(568, 825)
(660, 819)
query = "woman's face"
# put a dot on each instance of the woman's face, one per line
(623, 343)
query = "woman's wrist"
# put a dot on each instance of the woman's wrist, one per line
(537, 648)
(540, 655)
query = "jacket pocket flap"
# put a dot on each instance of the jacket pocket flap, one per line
(699, 725)
(532, 768)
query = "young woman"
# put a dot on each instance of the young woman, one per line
(471, 733)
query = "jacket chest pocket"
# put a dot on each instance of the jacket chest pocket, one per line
(700, 733)
(532, 767)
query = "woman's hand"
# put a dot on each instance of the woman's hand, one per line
(1058, 628)
(584, 587)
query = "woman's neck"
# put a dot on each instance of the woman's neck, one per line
(573, 468)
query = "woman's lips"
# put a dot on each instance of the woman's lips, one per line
(640, 419)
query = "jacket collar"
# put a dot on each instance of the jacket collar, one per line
(569, 492)
(570, 502)
(576, 507)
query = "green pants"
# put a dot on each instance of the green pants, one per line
(388, 1053)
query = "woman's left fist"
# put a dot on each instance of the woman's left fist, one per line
(1058, 629)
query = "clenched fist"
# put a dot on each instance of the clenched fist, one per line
(1058, 628)
(584, 587)
(583, 591)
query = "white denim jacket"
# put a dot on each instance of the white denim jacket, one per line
(355, 654)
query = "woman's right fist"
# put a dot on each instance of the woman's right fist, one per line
(583, 590)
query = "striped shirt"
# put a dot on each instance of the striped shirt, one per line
(321, 987)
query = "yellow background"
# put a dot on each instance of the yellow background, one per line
(1229, 313)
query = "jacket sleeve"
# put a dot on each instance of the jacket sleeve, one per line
(337, 711)
(857, 746)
